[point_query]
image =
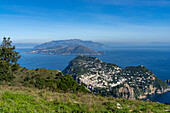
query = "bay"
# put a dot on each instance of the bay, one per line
(156, 59)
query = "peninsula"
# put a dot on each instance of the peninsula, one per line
(111, 80)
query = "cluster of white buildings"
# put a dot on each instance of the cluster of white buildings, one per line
(101, 78)
(96, 74)
(104, 77)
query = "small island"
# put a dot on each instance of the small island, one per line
(68, 47)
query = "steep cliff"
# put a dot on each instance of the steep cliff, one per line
(111, 80)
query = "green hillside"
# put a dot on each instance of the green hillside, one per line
(52, 80)
(21, 99)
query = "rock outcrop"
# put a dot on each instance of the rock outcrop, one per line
(111, 80)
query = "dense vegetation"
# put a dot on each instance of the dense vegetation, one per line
(12, 74)
(52, 80)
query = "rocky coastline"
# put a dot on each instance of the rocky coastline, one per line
(134, 82)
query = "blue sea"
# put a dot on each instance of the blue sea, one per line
(156, 59)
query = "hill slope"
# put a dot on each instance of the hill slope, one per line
(52, 80)
(24, 100)
(111, 80)
(82, 50)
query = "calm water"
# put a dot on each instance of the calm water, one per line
(155, 59)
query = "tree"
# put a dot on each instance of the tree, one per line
(8, 60)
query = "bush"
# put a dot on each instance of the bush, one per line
(5, 72)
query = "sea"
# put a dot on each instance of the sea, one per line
(155, 58)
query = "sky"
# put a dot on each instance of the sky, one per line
(38, 21)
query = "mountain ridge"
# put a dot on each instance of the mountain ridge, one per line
(69, 47)
(71, 42)
(66, 50)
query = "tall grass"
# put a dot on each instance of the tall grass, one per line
(24, 100)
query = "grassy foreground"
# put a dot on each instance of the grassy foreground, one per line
(22, 99)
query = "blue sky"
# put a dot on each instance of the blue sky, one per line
(39, 21)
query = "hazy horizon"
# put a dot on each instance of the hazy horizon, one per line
(23, 43)
(107, 44)
(124, 21)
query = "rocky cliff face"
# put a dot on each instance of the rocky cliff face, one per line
(111, 80)
(126, 92)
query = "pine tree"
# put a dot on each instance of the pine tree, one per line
(8, 60)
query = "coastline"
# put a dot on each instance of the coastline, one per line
(151, 97)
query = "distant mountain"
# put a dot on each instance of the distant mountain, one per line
(69, 47)
(66, 50)
(71, 42)
(111, 80)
